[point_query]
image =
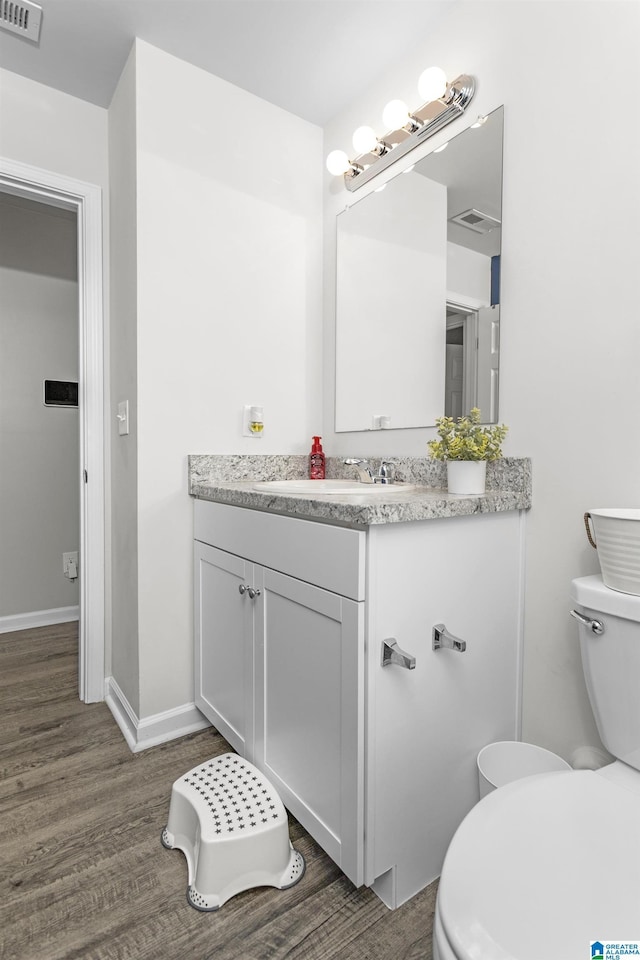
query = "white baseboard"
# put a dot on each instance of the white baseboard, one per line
(150, 731)
(39, 618)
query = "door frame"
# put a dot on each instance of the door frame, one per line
(467, 318)
(34, 183)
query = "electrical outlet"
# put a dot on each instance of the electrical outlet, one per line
(70, 564)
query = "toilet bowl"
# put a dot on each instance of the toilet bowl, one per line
(545, 866)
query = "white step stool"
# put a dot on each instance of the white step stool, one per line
(232, 827)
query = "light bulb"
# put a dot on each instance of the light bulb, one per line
(338, 162)
(479, 123)
(364, 139)
(395, 114)
(432, 84)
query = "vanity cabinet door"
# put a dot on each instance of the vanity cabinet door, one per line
(224, 644)
(309, 669)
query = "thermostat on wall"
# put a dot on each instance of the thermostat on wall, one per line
(60, 393)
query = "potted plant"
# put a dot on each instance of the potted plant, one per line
(466, 447)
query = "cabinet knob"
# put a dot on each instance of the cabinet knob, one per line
(242, 589)
(253, 593)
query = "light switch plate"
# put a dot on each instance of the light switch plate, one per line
(123, 418)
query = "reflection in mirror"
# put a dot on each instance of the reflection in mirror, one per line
(418, 290)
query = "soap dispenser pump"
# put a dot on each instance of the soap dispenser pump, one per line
(316, 460)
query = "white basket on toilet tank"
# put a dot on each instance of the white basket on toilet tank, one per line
(616, 535)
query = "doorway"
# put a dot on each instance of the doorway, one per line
(461, 360)
(39, 448)
(85, 202)
(472, 360)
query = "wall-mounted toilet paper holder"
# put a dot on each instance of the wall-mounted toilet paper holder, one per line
(391, 653)
(442, 639)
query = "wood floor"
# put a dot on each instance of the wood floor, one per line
(83, 875)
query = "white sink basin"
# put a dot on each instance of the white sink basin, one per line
(333, 487)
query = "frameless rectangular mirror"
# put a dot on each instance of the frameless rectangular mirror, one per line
(418, 290)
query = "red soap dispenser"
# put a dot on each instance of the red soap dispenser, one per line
(316, 460)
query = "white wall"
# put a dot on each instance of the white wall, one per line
(399, 233)
(228, 312)
(39, 446)
(570, 336)
(468, 276)
(48, 129)
(124, 662)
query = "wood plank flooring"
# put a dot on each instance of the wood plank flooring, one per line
(83, 875)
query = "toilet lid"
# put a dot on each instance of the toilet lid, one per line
(542, 868)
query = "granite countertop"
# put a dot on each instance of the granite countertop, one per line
(232, 479)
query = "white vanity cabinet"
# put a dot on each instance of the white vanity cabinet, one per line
(279, 621)
(377, 762)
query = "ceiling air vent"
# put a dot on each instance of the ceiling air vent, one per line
(21, 17)
(476, 221)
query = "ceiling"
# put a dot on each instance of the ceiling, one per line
(310, 57)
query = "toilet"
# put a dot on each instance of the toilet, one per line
(548, 865)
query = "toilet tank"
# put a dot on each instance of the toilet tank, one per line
(611, 664)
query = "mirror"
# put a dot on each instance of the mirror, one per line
(418, 290)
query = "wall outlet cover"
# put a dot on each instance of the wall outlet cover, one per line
(70, 564)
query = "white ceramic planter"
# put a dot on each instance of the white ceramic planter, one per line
(466, 476)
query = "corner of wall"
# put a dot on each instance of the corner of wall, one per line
(151, 731)
(122, 350)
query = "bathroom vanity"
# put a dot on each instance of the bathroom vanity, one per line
(295, 596)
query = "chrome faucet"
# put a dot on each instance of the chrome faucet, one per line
(386, 475)
(387, 471)
(363, 468)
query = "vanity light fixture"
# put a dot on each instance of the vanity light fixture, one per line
(366, 141)
(396, 116)
(432, 84)
(444, 102)
(338, 163)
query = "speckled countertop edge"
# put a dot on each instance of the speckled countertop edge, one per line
(230, 479)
